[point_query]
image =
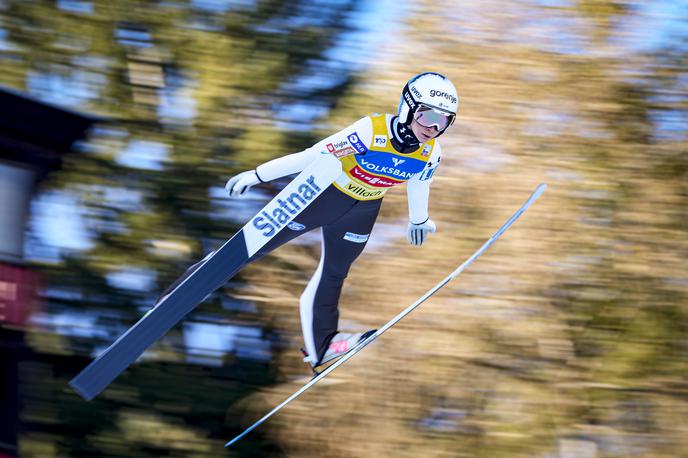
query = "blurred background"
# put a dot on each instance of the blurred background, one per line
(122, 120)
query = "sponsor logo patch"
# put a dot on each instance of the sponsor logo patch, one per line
(344, 152)
(442, 94)
(389, 171)
(363, 191)
(356, 238)
(409, 100)
(426, 150)
(340, 149)
(378, 182)
(357, 143)
(427, 173)
(294, 226)
(380, 140)
(341, 144)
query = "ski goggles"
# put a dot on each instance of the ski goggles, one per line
(428, 116)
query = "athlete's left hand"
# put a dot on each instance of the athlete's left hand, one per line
(418, 233)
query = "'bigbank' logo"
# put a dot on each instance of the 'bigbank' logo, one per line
(275, 216)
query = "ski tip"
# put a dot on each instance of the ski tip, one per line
(539, 190)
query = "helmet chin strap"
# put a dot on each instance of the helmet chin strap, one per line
(403, 138)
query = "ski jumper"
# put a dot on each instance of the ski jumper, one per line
(346, 211)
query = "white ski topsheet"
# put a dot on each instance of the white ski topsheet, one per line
(291, 201)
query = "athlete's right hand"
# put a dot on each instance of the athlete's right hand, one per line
(239, 184)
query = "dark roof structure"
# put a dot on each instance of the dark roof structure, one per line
(38, 134)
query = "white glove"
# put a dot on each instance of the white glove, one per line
(417, 233)
(239, 184)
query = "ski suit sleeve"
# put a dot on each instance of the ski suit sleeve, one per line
(418, 188)
(294, 163)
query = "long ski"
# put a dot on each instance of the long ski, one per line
(533, 197)
(216, 269)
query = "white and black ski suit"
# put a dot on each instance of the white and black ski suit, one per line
(346, 211)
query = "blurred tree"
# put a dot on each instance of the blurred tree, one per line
(196, 91)
(569, 337)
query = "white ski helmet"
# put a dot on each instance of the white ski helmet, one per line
(430, 90)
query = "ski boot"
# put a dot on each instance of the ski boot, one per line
(341, 344)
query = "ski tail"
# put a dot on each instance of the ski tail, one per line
(217, 268)
(227, 261)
